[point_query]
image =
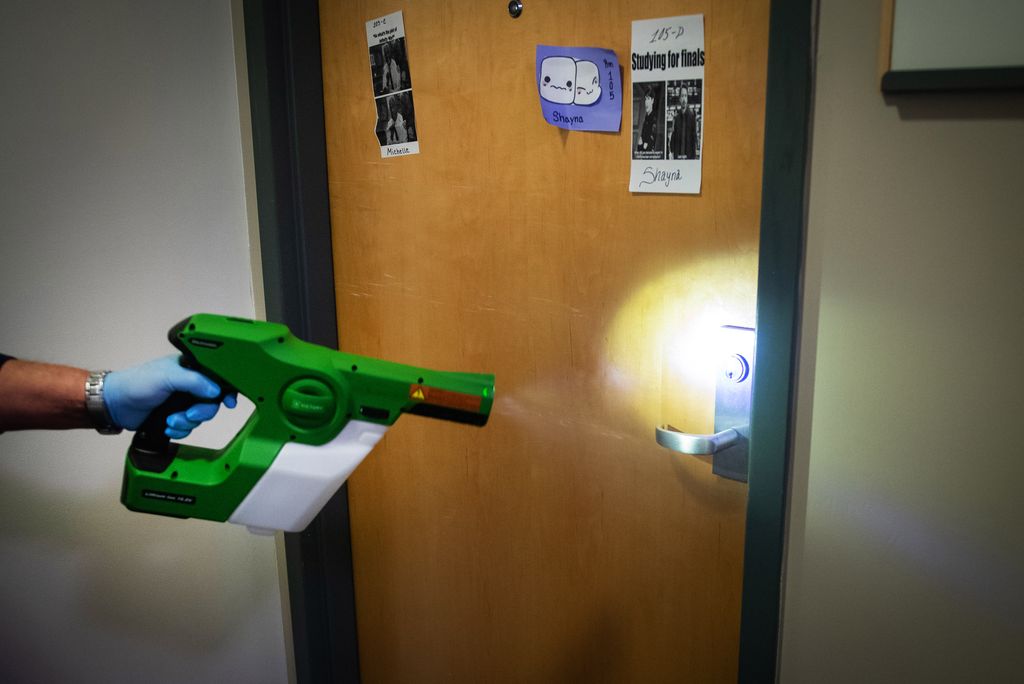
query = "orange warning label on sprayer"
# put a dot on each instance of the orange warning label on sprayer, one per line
(449, 399)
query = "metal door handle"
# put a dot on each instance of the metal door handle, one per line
(729, 446)
(686, 443)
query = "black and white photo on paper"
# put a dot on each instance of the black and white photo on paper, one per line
(649, 120)
(683, 115)
(396, 119)
(389, 67)
(395, 127)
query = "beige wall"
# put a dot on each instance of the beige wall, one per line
(906, 544)
(122, 210)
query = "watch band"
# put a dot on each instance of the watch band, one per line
(95, 405)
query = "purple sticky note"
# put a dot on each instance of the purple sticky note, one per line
(580, 88)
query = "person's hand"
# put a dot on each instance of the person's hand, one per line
(131, 394)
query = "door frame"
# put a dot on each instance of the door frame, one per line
(282, 40)
(282, 47)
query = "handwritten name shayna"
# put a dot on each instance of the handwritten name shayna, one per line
(574, 120)
(652, 175)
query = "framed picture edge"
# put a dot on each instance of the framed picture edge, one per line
(892, 82)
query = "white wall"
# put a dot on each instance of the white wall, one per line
(906, 546)
(122, 210)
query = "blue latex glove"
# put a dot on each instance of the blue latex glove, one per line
(132, 393)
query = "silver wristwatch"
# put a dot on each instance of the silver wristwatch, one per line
(95, 405)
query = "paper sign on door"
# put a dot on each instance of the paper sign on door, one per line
(580, 88)
(667, 67)
(392, 86)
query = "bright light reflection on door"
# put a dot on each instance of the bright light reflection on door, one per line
(663, 348)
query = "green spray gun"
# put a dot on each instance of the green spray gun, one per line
(318, 413)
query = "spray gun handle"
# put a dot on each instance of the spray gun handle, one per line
(151, 448)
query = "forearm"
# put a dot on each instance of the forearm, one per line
(42, 396)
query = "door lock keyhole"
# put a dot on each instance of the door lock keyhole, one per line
(737, 368)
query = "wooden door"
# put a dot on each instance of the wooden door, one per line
(559, 543)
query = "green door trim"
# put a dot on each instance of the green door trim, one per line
(282, 39)
(780, 270)
(286, 99)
